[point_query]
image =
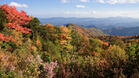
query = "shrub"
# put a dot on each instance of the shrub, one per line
(115, 53)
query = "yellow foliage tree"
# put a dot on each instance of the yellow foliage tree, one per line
(65, 39)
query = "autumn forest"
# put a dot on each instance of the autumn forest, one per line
(29, 49)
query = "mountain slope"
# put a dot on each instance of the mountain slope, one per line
(89, 32)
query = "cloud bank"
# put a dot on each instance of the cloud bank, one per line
(102, 14)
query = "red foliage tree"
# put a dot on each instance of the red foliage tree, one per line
(6, 38)
(16, 19)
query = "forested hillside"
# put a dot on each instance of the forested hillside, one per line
(89, 32)
(31, 50)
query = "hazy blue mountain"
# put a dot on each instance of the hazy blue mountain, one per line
(122, 31)
(102, 23)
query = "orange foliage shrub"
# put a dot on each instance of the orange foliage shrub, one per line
(49, 25)
(6, 38)
(38, 42)
(64, 29)
(94, 53)
(106, 43)
(63, 36)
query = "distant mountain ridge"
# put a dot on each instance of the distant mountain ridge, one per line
(116, 26)
(123, 31)
(102, 23)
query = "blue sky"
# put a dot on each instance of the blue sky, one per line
(77, 8)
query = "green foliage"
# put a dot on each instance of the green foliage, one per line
(80, 43)
(34, 23)
(76, 39)
(118, 42)
(95, 43)
(46, 58)
(131, 51)
(9, 46)
(50, 47)
(3, 20)
(7, 75)
(115, 53)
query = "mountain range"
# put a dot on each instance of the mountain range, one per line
(122, 31)
(102, 23)
(117, 26)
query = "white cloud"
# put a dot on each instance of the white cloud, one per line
(84, 0)
(101, 1)
(64, 1)
(18, 5)
(80, 6)
(118, 1)
(94, 12)
(112, 1)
